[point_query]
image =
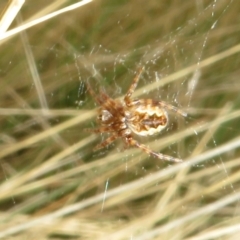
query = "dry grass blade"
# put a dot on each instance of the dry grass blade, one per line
(9, 14)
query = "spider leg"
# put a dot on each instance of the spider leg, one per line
(94, 95)
(146, 149)
(154, 103)
(106, 142)
(133, 85)
(172, 108)
(99, 98)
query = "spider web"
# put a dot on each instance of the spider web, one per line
(49, 170)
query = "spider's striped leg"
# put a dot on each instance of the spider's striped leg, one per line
(106, 142)
(93, 94)
(99, 98)
(146, 149)
(133, 85)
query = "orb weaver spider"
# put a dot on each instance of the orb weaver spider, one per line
(121, 118)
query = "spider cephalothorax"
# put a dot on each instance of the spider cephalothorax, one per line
(121, 118)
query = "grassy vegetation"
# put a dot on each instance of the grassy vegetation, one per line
(52, 184)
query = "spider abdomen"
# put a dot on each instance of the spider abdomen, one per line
(147, 121)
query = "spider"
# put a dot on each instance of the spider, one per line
(122, 118)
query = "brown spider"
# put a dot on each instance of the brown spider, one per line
(140, 116)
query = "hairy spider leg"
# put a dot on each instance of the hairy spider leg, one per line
(94, 95)
(148, 101)
(161, 104)
(133, 85)
(106, 142)
(100, 98)
(146, 149)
